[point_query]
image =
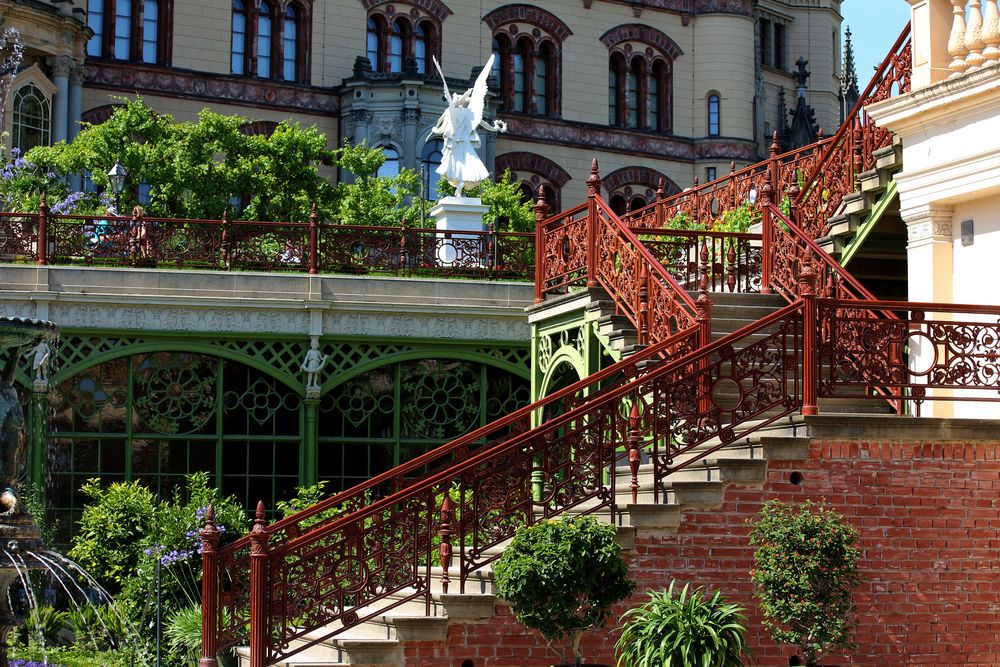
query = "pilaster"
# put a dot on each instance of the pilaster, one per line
(77, 74)
(931, 27)
(60, 67)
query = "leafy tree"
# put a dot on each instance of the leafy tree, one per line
(562, 577)
(805, 568)
(371, 199)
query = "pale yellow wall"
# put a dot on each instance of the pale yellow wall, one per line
(723, 61)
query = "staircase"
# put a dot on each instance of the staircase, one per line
(715, 385)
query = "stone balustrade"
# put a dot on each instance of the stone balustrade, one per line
(974, 41)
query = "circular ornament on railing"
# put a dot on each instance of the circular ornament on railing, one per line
(917, 315)
(923, 354)
(726, 393)
(727, 435)
(349, 618)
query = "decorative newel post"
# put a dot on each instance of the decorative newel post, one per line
(259, 630)
(593, 192)
(445, 533)
(643, 333)
(767, 233)
(772, 164)
(704, 306)
(43, 231)
(810, 336)
(401, 270)
(541, 212)
(731, 184)
(225, 239)
(209, 589)
(313, 240)
(858, 149)
(659, 215)
(633, 448)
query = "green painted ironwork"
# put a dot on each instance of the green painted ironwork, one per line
(866, 227)
(156, 407)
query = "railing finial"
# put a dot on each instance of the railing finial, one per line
(594, 180)
(775, 146)
(541, 206)
(660, 188)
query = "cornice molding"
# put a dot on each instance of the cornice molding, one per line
(632, 142)
(687, 8)
(243, 91)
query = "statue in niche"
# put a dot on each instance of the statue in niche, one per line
(313, 363)
(458, 126)
(13, 446)
(40, 360)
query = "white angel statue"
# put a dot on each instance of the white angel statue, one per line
(457, 125)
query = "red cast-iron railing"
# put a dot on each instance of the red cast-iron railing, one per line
(855, 148)
(232, 564)
(230, 245)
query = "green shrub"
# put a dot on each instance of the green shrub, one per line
(43, 624)
(805, 568)
(562, 577)
(692, 629)
(73, 656)
(183, 631)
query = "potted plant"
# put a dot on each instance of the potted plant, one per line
(692, 628)
(561, 578)
(805, 568)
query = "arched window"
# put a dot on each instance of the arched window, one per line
(397, 36)
(95, 21)
(531, 171)
(640, 77)
(131, 30)
(239, 41)
(528, 49)
(389, 168)
(714, 125)
(123, 30)
(265, 40)
(430, 160)
(150, 31)
(498, 58)
(373, 48)
(290, 44)
(31, 118)
(618, 204)
(420, 48)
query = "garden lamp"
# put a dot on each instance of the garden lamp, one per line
(116, 177)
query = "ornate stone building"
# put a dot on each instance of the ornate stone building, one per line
(672, 89)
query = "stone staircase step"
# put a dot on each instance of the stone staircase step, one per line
(644, 516)
(371, 652)
(691, 494)
(854, 203)
(740, 470)
(419, 628)
(468, 607)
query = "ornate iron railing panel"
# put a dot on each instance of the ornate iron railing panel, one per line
(232, 565)
(18, 236)
(563, 251)
(733, 260)
(926, 347)
(852, 150)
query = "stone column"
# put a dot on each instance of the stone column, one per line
(60, 67)
(931, 22)
(310, 441)
(411, 151)
(77, 74)
(38, 442)
(929, 259)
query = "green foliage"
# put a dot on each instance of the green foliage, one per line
(198, 169)
(72, 656)
(43, 625)
(371, 199)
(805, 570)
(562, 577)
(113, 531)
(101, 628)
(508, 212)
(183, 631)
(692, 629)
(736, 220)
(22, 181)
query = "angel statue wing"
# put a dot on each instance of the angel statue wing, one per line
(447, 93)
(478, 101)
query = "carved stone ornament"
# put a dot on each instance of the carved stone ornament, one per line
(933, 225)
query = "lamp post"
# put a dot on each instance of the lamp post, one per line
(117, 176)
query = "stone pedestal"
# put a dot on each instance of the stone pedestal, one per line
(460, 214)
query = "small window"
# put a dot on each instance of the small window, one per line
(123, 30)
(520, 56)
(290, 45)
(372, 48)
(396, 38)
(779, 46)
(765, 42)
(95, 21)
(430, 160)
(713, 116)
(239, 44)
(420, 48)
(632, 94)
(31, 118)
(265, 46)
(613, 93)
(389, 168)
(541, 86)
(709, 174)
(150, 31)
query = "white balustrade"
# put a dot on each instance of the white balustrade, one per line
(974, 43)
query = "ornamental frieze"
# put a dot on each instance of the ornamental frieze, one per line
(132, 77)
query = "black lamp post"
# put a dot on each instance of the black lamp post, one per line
(117, 176)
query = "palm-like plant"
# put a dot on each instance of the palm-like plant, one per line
(691, 629)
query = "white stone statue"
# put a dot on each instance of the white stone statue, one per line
(313, 363)
(457, 125)
(40, 360)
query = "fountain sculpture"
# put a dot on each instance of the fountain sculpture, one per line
(20, 539)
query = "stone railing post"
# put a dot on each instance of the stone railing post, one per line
(209, 589)
(259, 616)
(593, 192)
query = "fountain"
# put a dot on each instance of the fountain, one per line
(20, 540)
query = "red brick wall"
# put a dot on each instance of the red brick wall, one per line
(929, 516)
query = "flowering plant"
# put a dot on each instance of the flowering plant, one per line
(805, 568)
